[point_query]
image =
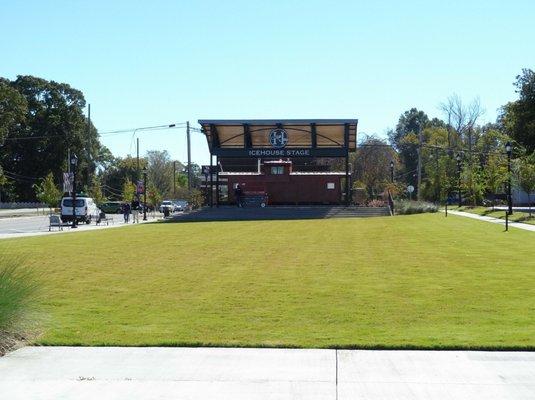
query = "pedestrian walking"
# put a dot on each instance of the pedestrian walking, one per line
(238, 194)
(126, 212)
(135, 211)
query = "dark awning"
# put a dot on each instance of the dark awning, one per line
(281, 138)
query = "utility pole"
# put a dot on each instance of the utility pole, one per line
(189, 155)
(137, 152)
(88, 144)
(174, 179)
(419, 161)
(137, 172)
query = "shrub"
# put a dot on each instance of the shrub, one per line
(195, 198)
(18, 294)
(376, 203)
(414, 207)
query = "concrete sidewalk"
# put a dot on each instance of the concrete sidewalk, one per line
(499, 221)
(224, 373)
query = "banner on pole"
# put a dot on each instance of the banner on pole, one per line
(140, 187)
(68, 178)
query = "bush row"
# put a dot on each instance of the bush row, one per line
(414, 207)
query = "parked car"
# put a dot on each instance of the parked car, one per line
(180, 205)
(169, 205)
(111, 207)
(86, 209)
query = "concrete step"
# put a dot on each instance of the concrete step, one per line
(227, 213)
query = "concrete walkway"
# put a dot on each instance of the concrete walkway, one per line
(518, 225)
(249, 374)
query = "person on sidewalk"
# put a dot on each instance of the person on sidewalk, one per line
(135, 211)
(126, 212)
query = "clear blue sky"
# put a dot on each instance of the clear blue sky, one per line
(143, 63)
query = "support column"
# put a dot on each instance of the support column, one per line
(347, 179)
(211, 195)
(217, 181)
(346, 144)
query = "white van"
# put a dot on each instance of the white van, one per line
(86, 209)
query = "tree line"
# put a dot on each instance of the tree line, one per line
(436, 156)
(42, 121)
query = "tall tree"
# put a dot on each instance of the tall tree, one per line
(13, 110)
(526, 177)
(54, 122)
(160, 171)
(371, 164)
(518, 117)
(116, 172)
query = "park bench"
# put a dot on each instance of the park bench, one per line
(54, 221)
(104, 218)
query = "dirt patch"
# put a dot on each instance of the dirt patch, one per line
(10, 342)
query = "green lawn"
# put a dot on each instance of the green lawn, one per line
(407, 281)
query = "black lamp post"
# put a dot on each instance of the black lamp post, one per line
(509, 151)
(459, 177)
(144, 193)
(74, 163)
(392, 171)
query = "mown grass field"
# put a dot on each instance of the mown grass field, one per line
(408, 281)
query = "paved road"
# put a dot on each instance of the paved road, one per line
(23, 224)
(38, 225)
(255, 374)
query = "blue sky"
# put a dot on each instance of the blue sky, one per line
(142, 63)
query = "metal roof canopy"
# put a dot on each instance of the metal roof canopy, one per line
(302, 137)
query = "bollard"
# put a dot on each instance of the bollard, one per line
(446, 213)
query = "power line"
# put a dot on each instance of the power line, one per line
(156, 127)
(179, 125)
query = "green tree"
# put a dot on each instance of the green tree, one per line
(160, 171)
(95, 191)
(495, 175)
(371, 164)
(526, 177)
(473, 182)
(117, 172)
(47, 192)
(154, 196)
(128, 190)
(405, 140)
(53, 123)
(518, 117)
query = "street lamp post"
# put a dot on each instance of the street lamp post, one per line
(392, 171)
(74, 163)
(459, 178)
(509, 151)
(144, 193)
